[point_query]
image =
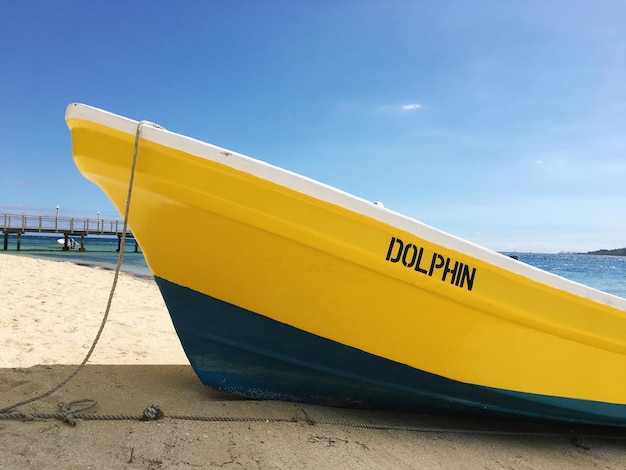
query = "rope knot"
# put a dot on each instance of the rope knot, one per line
(68, 411)
(152, 413)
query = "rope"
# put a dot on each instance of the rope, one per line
(113, 286)
(69, 415)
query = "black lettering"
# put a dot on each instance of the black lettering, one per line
(468, 277)
(390, 250)
(413, 248)
(455, 272)
(458, 274)
(436, 263)
(419, 261)
(452, 271)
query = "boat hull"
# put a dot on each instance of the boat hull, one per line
(238, 351)
(337, 300)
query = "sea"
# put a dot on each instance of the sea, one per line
(603, 272)
(100, 251)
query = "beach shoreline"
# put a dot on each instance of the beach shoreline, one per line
(50, 314)
(100, 252)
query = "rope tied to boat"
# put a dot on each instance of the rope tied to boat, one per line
(69, 414)
(118, 266)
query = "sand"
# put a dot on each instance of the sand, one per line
(50, 313)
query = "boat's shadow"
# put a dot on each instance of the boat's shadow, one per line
(128, 389)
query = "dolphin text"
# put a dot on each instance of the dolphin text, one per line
(432, 264)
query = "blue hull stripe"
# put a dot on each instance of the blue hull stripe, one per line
(239, 351)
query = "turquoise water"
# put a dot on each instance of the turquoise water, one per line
(100, 251)
(606, 273)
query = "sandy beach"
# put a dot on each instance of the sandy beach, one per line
(50, 313)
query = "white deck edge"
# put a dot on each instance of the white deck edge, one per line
(335, 196)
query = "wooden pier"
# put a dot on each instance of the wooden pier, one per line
(66, 226)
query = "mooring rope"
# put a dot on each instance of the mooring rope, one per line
(69, 415)
(113, 286)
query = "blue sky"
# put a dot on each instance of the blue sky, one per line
(500, 122)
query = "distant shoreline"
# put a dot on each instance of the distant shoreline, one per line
(615, 252)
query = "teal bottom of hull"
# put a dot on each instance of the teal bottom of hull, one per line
(239, 351)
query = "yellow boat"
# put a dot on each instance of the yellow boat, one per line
(293, 290)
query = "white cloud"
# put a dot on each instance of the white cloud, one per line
(411, 107)
(398, 109)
